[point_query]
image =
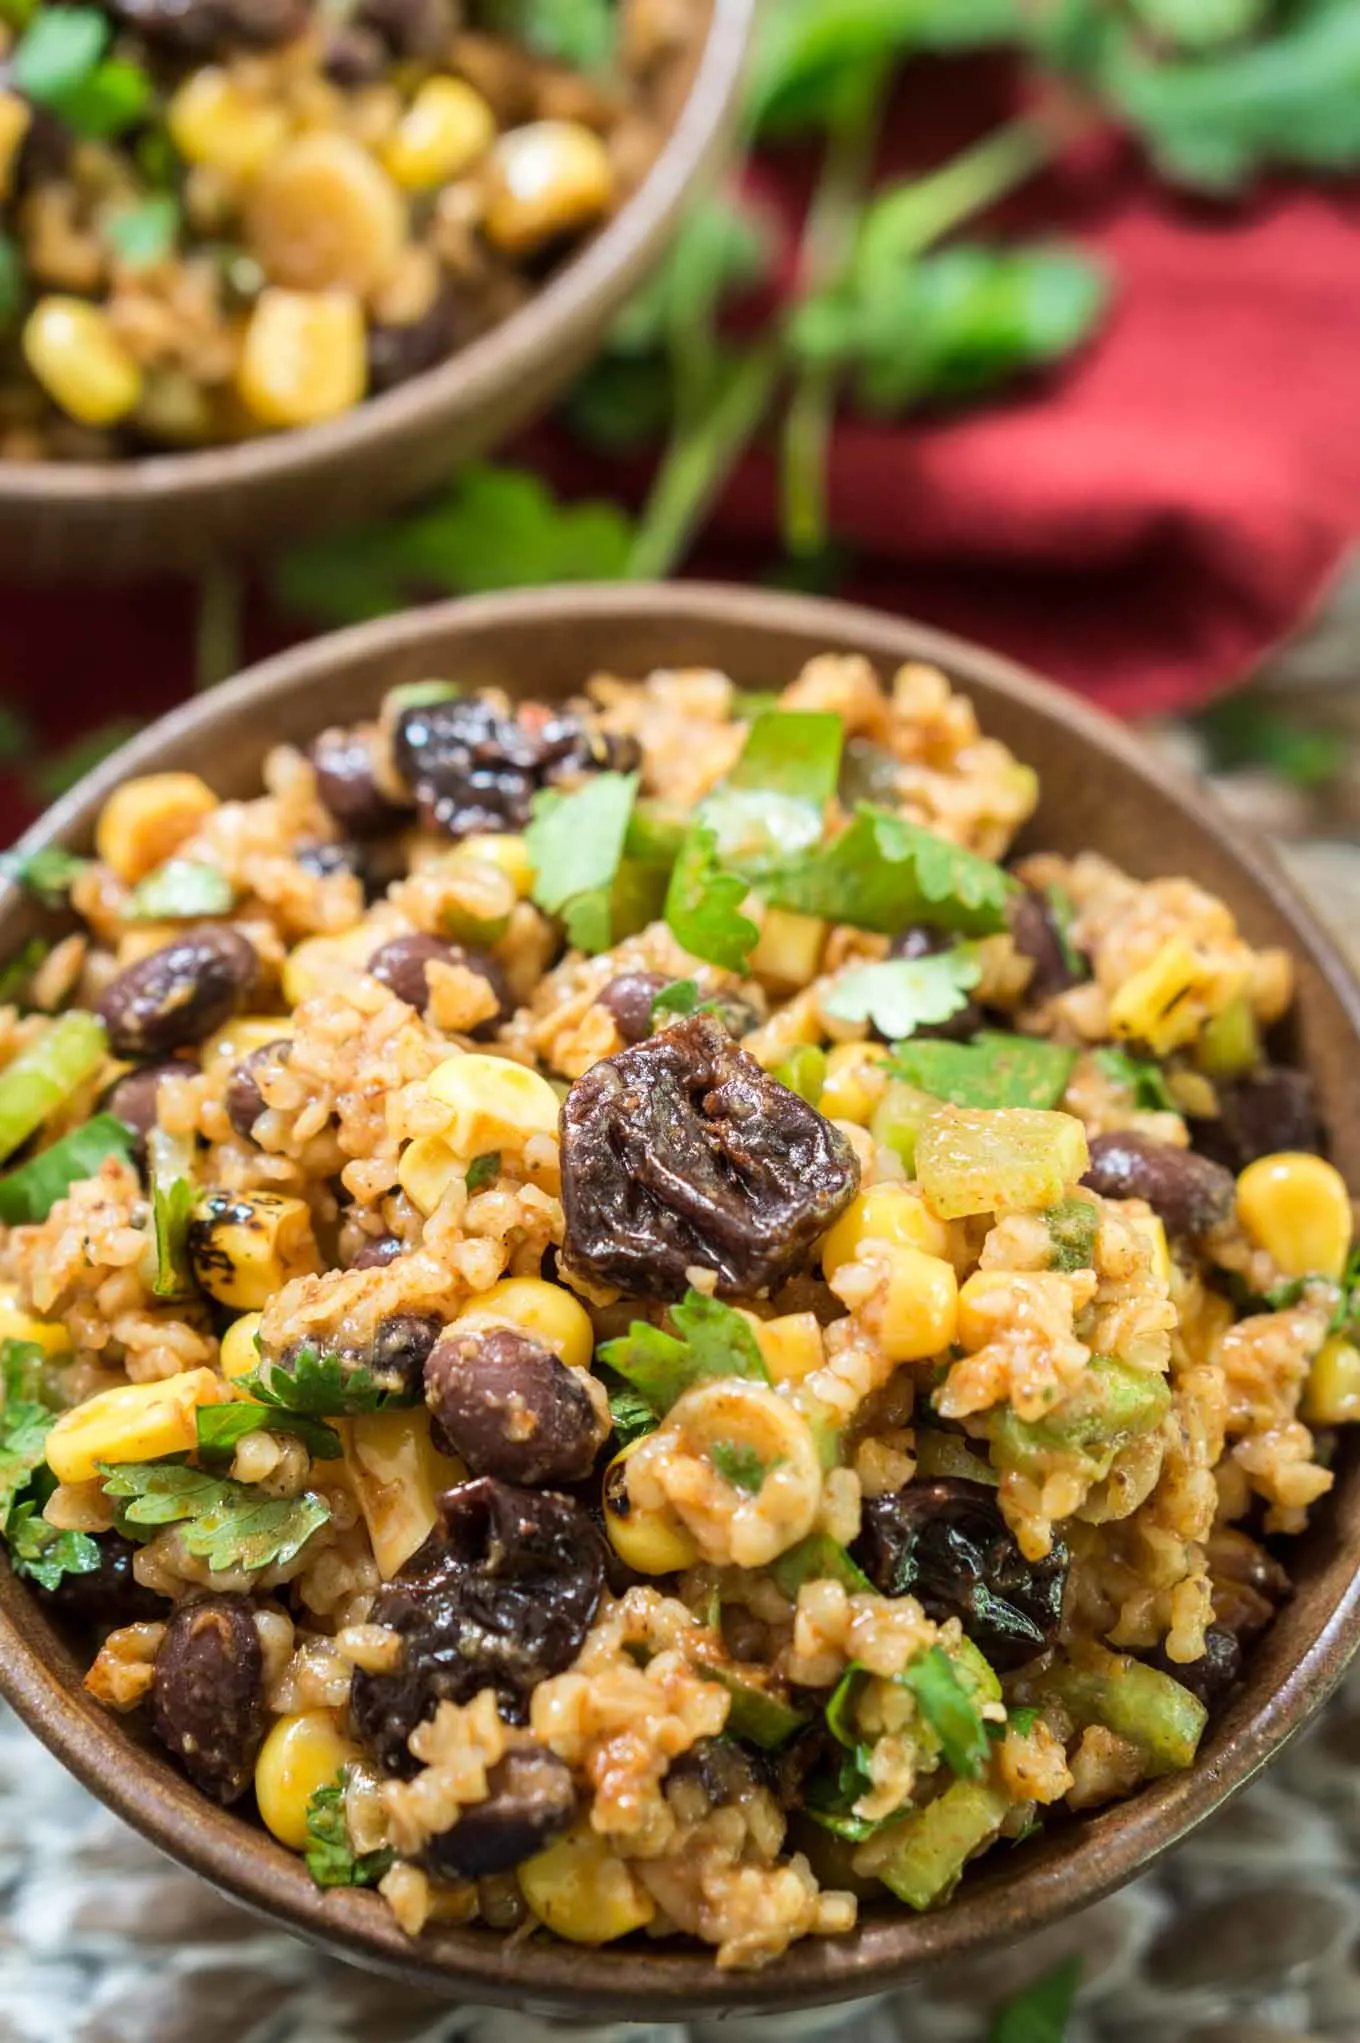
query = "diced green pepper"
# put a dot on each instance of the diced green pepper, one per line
(1163, 1719)
(931, 1848)
(1111, 1406)
(43, 1077)
(761, 1718)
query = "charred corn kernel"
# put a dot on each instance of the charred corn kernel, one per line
(18, 1325)
(245, 1247)
(134, 1422)
(652, 1542)
(425, 1170)
(1155, 1006)
(546, 179)
(239, 1355)
(919, 1314)
(248, 1032)
(493, 1103)
(398, 1478)
(213, 121)
(510, 854)
(304, 357)
(16, 117)
(547, 1311)
(790, 1347)
(789, 950)
(80, 362)
(323, 216)
(889, 1213)
(1296, 1207)
(854, 1082)
(444, 130)
(1150, 1226)
(580, 1889)
(313, 965)
(301, 1754)
(1331, 1396)
(145, 821)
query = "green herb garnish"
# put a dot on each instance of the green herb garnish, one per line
(819, 1559)
(905, 994)
(179, 890)
(322, 1385)
(994, 1070)
(576, 842)
(143, 234)
(227, 1524)
(885, 874)
(220, 1427)
(47, 873)
(703, 905)
(483, 1171)
(949, 1710)
(738, 1463)
(1073, 1225)
(710, 1340)
(1041, 2013)
(331, 1859)
(15, 976)
(27, 1195)
(631, 1413)
(1141, 1076)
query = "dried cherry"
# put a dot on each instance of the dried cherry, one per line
(472, 768)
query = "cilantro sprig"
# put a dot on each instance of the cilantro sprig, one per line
(222, 1427)
(42, 1552)
(28, 1194)
(710, 1340)
(320, 1385)
(576, 844)
(902, 995)
(331, 1858)
(228, 1524)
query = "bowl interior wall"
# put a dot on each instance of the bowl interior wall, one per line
(1100, 790)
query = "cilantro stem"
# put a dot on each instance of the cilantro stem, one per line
(217, 634)
(699, 460)
(909, 221)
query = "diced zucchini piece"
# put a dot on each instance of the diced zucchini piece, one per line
(995, 1160)
(761, 1718)
(1230, 1043)
(1163, 1719)
(44, 1076)
(1112, 1405)
(931, 1848)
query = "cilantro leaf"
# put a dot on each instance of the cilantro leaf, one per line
(227, 1524)
(710, 1339)
(107, 101)
(576, 842)
(220, 1427)
(1041, 2013)
(703, 905)
(331, 1859)
(15, 975)
(949, 1710)
(582, 33)
(180, 889)
(47, 873)
(738, 1463)
(680, 997)
(320, 1385)
(24, 1427)
(993, 1070)
(631, 1413)
(27, 1195)
(43, 1553)
(21, 1373)
(884, 873)
(1142, 1076)
(1072, 1228)
(59, 48)
(483, 1170)
(792, 752)
(143, 234)
(904, 994)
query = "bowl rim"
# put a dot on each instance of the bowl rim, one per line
(558, 316)
(242, 1860)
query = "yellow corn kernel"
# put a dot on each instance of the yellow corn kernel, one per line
(652, 1542)
(493, 1103)
(18, 1325)
(1296, 1207)
(1150, 1226)
(301, 1754)
(789, 950)
(1154, 1006)
(238, 1354)
(543, 180)
(919, 1314)
(214, 122)
(425, 1170)
(146, 820)
(244, 1247)
(447, 126)
(580, 1889)
(304, 357)
(80, 361)
(315, 964)
(1331, 1396)
(134, 1422)
(323, 216)
(509, 854)
(790, 1347)
(549, 1312)
(854, 1082)
(16, 117)
(889, 1213)
(398, 1478)
(248, 1032)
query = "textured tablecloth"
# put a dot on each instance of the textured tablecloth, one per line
(1250, 1933)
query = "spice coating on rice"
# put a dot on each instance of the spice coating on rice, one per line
(643, 1337)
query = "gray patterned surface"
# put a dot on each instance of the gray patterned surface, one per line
(1249, 1934)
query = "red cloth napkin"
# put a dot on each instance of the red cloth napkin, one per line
(1143, 526)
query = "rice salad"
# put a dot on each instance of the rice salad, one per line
(623, 1324)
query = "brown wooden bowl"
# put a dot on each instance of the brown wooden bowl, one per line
(1101, 790)
(173, 513)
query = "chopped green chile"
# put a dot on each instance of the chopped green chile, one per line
(922, 1859)
(994, 1070)
(1229, 1044)
(819, 1559)
(951, 1454)
(1153, 1711)
(978, 1160)
(45, 1075)
(794, 752)
(1073, 1225)
(755, 1714)
(900, 1115)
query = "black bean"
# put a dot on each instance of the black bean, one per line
(207, 1698)
(179, 994)
(375, 1255)
(1273, 1109)
(243, 1099)
(401, 964)
(133, 1099)
(1190, 1194)
(1034, 931)
(531, 1800)
(628, 998)
(728, 1772)
(347, 784)
(397, 353)
(401, 1347)
(110, 1594)
(353, 56)
(922, 942)
(511, 1408)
